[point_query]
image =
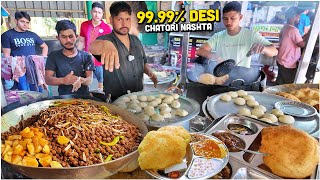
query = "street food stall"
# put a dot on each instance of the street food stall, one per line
(183, 129)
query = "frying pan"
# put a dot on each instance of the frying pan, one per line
(226, 66)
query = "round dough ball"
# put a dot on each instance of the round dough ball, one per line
(119, 102)
(264, 109)
(136, 101)
(242, 93)
(165, 109)
(166, 114)
(149, 112)
(239, 101)
(158, 100)
(225, 97)
(157, 117)
(125, 99)
(175, 104)
(277, 112)
(247, 97)
(252, 103)
(286, 119)
(131, 105)
(272, 117)
(143, 98)
(143, 117)
(207, 78)
(133, 97)
(266, 120)
(151, 98)
(232, 94)
(168, 100)
(175, 96)
(244, 112)
(163, 104)
(123, 106)
(143, 104)
(153, 103)
(162, 96)
(137, 109)
(181, 112)
(253, 116)
(149, 107)
(257, 112)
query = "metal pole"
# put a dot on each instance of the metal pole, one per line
(185, 49)
(306, 56)
(88, 4)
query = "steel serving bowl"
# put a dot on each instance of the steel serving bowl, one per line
(102, 170)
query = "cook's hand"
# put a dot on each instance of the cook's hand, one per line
(110, 56)
(70, 79)
(256, 48)
(154, 79)
(76, 85)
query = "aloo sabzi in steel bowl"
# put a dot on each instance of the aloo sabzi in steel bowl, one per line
(70, 138)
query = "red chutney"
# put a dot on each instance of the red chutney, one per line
(207, 148)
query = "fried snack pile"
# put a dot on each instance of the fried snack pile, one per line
(306, 95)
(163, 148)
(294, 153)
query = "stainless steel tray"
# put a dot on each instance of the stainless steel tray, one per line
(187, 104)
(217, 108)
(191, 158)
(252, 143)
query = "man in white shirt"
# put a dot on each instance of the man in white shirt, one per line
(235, 42)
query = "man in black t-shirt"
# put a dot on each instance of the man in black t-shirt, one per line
(21, 42)
(128, 49)
(72, 68)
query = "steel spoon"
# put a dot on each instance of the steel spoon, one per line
(253, 152)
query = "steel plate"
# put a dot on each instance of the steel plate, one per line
(218, 108)
(187, 104)
(295, 108)
(191, 158)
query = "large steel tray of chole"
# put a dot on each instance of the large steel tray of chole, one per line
(252, 141)
(217, 108)
(102, 170)
(190, 105)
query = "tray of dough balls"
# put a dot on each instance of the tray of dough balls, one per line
(159, 109)
(262, 106)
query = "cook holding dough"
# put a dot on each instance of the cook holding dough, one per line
(235, 41)
(122, 48)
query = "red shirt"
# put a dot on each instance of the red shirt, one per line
(90, 33)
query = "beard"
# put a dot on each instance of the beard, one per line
(71, 48)
(121, 33)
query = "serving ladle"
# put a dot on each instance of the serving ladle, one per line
(252, 152)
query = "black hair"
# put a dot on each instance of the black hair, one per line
(65, 25)
(21, 14)
(137, 6)
(119, 6)
(96, 4)
(232, 6)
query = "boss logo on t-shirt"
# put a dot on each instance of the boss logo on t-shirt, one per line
(20, 42)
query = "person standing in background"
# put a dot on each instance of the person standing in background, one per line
(304, 23)
(89, 31)
(290, 46)
(21, 42)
